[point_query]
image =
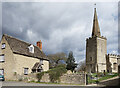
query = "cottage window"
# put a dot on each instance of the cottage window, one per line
(25, 71)
(2, 58)
(41, 62)
(3, 46)
(1, 71)
(31, 49)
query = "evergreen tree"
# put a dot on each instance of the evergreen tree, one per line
(71, 65)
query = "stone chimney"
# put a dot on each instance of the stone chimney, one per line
(39, 44)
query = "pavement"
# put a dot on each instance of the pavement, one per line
(13, 84)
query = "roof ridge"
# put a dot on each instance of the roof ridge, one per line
(21, 40)
(17, 39)
(17, 45)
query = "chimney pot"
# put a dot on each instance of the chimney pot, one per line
(39, 44)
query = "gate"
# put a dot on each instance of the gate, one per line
(119, 69)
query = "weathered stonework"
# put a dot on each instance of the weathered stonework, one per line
(113, 61)
(14, 64)
(96, 49)
(73, 79)
(65, 78)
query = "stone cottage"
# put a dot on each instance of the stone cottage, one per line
(22, 58)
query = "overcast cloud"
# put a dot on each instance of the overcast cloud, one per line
(62, 27)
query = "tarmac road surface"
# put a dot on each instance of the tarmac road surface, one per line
(12, 84)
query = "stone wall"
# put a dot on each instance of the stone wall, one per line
(73, 79)
(30, 77)
(45, 78)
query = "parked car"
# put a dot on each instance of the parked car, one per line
(2, 77)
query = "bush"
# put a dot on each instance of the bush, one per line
(20, 79)
(39, 76)
(54, 73)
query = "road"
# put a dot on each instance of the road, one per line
(11, 84)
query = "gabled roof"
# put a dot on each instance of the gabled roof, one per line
(37, 65)
(21, 47)
(96, 29)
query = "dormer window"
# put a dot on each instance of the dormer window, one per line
(3, 46)
(31, 49)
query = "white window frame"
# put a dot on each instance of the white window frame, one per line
(3, 45)
(1, 71)
(41, 61)
(2, 58)
(26, 71)
(31, 49)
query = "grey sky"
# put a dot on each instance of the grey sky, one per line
(62, 27)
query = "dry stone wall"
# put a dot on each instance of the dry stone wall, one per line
(73, 79)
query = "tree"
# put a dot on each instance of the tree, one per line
(56, 58)
(71, 65)
(81, 66)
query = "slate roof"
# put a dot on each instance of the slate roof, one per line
(21, 47)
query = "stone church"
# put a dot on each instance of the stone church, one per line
(97, 59)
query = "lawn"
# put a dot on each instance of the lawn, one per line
(100, 77)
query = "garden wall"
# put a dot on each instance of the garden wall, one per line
(73, 78)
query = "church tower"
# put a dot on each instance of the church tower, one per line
(96, 49)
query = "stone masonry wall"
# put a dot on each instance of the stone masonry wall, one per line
(66, 78)
(73, 79)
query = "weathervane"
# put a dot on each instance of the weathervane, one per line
(95, 5)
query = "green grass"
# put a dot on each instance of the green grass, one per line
(52, 83)
(107, 76)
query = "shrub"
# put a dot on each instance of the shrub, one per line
(20, 79)
(54, 73)
(39, 76)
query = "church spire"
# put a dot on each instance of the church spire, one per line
(96, 29)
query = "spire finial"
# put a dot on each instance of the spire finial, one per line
(95, 6)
